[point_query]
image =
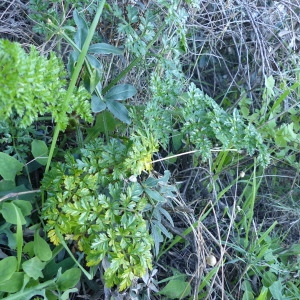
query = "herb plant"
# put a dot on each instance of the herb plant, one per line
(92, 201)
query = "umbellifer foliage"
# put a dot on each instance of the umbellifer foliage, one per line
(32, 85)
(92, 201)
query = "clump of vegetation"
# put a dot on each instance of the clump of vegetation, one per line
(155, 150)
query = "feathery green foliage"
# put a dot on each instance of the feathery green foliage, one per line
(92, 201)
(32, 86)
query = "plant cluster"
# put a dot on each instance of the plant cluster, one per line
(92, 201)
(33, 85)
(168, 79)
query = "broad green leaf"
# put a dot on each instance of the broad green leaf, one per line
(155, 195)
(119, 111)
(25, 206)
(176, 289)
(104, 48)
(120, 92)
(14, 284)
(29, 249)
(9, 166)
(97, 104)
(8, 267)
(33, 268)
(11, 213)
(6, 187)
(69, 279)
(39, 151)
(276, 290)
(268, 278)
(41, 248)
(248, 296)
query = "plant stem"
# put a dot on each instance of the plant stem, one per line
(74, 78)
(73, 81)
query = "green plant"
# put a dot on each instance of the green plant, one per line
(278, 126)
(33, 85)
(56, 11)
(266, 266)
(91, 200)
(24, 275)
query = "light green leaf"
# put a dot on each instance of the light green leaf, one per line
(11, 213)
(14, 284)
(263, 294)
(104, 48)
(9, 166)
(276, 290)
(25, 206)
(41, 248)
(39, 151)
(119, 111)
(69, 279)
(33, 268)
(97, 104)
(66, 294)
(268, 278)
(120, 92)
(176, 289)
(8, 267)
(270, 82)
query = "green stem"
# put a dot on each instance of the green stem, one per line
(72, 84)
(74, 78)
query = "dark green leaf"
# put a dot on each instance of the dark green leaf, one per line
(119, 111)
(97, 104)
(9, 166)
(120, 92)
(155, 195)
(8, 267)
(103, 48)
(82, 29)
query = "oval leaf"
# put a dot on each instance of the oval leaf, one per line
(9, 166)
(41, 248)
(14, 284)
(68, 279)
(8, 267)
(12, 213)
(119, 111)
(39, 151)
(97, 104)
(103, 48)
(120, 92)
